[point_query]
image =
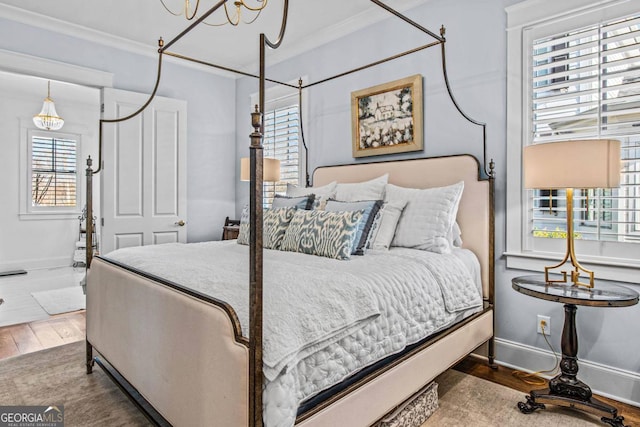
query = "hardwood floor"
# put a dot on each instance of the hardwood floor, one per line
(504, 376)
(39, 335)
(70, 327)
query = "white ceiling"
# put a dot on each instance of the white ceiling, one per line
(137, 25)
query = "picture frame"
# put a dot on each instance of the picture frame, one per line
(387, 118)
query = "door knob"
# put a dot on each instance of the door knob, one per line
(180, 223)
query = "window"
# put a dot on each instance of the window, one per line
(575, 75)
(586, 84)
(52, 171)
(281, 130)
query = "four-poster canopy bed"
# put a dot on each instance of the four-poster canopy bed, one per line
(180, 352)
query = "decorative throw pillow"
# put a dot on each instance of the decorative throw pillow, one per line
(322, 233)
(428, 217)
(274, 226)
(322, 194)
(386, 224)
(301, 202)
(243, 231)
(369, 209)
(368, 190)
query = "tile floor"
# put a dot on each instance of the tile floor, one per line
(19, 306)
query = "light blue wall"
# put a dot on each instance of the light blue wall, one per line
(476, 62)
(480, 89)
(210, 133)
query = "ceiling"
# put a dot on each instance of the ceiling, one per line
(137, 25)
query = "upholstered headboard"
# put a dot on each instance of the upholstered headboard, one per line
(475, 214)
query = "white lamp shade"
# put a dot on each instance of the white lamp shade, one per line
(591, 163)
(270, 169)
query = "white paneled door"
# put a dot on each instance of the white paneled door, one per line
(144, 191)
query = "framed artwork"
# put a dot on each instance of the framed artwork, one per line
(387, 118)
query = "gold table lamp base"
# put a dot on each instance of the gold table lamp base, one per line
(570, 255)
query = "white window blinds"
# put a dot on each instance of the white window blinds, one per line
(53, 172)
(586, 84)
(281, 130)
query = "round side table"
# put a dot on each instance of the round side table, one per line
(566, 389)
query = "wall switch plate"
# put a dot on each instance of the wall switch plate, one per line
(547, 326)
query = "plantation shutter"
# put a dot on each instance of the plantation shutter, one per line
(281, 142)
(53, 172)
(585, 85)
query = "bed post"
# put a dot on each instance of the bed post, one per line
(255, 254)
(489, 170)
(89, 224)
(307, 182)
(256, 379)
(255, 273)
(491, 350)
(89, 249)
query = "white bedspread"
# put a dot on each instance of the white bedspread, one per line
(324, 319)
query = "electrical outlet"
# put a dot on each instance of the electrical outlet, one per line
(547, 324)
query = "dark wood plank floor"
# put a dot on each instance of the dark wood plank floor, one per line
(70, 327)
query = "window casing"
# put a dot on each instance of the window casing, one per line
(52, 172)
(579, 78)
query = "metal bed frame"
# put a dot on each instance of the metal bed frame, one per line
(256, 179)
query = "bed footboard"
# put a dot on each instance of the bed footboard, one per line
(180, 353)
(369, 402)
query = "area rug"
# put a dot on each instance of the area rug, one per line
(61, 300)
(466, 400)
(57, 377)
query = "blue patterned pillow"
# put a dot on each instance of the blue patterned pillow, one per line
(274, 227)
(369, 209)
(301, 202)
(322, 233)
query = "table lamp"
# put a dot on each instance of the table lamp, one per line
(270, 171)
(568, 165)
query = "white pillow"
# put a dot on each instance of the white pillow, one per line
(455, 237)
(386, 226)
(322, 194)
(427, 220)
(368, 190)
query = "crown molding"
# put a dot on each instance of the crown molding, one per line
(59, 26)
(531, 12)
(289, 50)
(20, 63)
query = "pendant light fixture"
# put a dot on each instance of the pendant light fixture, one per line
(48, 118)
(190, 10)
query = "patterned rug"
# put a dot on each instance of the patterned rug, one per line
(57, 377)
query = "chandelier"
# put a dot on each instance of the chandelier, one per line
(234, 18)
(48, 118)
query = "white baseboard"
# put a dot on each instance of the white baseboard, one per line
(618, 384)
(36, 264)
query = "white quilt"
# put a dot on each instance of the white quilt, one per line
(324, 319)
